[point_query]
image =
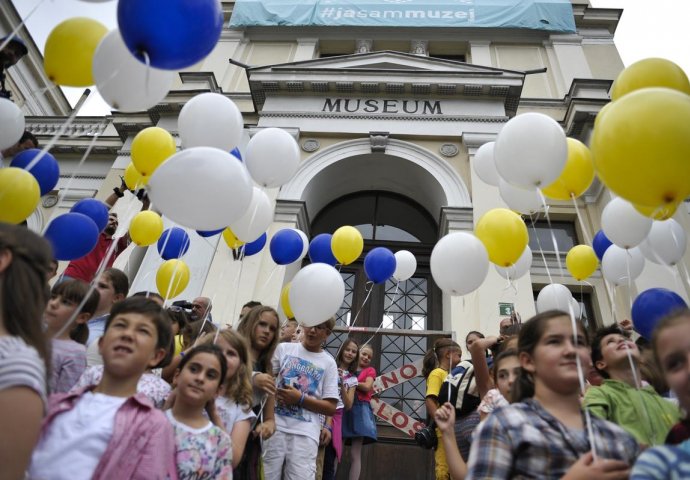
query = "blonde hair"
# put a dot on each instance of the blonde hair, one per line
(238, 388)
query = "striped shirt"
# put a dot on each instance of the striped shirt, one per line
(21, 366)
(523, 440)
(663, 463)
(68, 363)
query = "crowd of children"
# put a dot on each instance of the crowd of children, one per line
(268, 402)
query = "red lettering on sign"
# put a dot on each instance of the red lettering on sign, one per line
(392, 380)
(379, 413)
(408, 371)
(400, 420)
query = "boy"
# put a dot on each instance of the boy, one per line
(107, 430)
(307, 379)
(641, 411)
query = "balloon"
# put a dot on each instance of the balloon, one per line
(621, 266)
(72, 235)
(320, 250)
(19, 195)
(13, 123)
(520, 268)
(484, 165)
(286, 246)
(666, 243)
(272, 157)
(236, 153)
(459, 263)
(405, 265)
(554, 297)
(173, 243)
(69, 51)
(577, 175)
(305, 243)
(252, 248)
(231, 240)
(651, 306)
(577, 310)
(316, 294)
(94, 209)
(133, 179)
(151, 147)
(663, 212)
(641, 147)
(201, 188)
(210, 120)
(519, 199)
(285, 301)
(46, 170)
(210, 233)
(600, 244)
(623, 225)
(124, 82)
(581, 262)
(146, 228)
(175, 37)
(347, 244)
(504, 235)
(530, 150)
(379, 264)
(256, 218)
(172, 278)
(650, 72)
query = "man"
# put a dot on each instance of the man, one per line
(113, 287)
(27, 141)
(10, 55)
(248, 306)
(201, 308)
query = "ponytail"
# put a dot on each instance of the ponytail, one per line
(430, 362)
(431, 358)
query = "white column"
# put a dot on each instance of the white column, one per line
(572, 62)
(480, 53)
(306, 49)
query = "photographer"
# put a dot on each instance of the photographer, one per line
(27, 141)
(10, 55)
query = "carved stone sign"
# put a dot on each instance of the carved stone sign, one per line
(374, 105)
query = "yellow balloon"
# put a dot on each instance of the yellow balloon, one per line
(172, 278)
(285, 302)
(577, 175)
(19, 194)
(347, 244)
(641, 147)
(659, 213)
(151, 147)
(581, 261)
(231, 240)
(68, 55)
(146, 228)
(504, 234)
(650, 72)
(134, 179)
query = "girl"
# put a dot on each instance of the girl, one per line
(68, 344)
(545, 434)
(438, 361)
(25, 260)
(358, 423)
(203, 450)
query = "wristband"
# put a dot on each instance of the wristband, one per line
(329, 428)
(301, 399)
(118, 192)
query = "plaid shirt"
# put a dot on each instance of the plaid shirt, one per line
(523, 440)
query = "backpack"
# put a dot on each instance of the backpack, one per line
(460, 381)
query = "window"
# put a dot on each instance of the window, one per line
(587, 313)
(541, 237)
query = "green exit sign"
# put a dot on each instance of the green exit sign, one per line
(505, 309)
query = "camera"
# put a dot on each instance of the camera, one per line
(184, 304)
(426, 437)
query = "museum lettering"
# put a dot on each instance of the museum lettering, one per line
(358, 105)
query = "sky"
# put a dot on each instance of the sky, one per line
(647, 28)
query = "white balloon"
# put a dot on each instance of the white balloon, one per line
(554, 297)
(305, 244)
(666, 243)
(256, 218)
(623, 225)
(201, 188)
(577, 311)
(459, 263)
(405, 265)
(621, 266)
(484, 165)
(12, 123)
(210, 120)
(520, 199)
(531, 150)
(519, 268)
(272, 157)
(316, 294)
(124, 82)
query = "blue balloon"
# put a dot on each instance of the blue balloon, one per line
(94, 209)
(46, 171)
(286, 246)
(320, 250)
(252, 248)
(174, 34)
(72, 235)
(651, 306)
(236, 153)
(600, 244)
(379, 264)
(209, 233)
(173, 243)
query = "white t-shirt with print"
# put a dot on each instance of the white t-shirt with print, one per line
(230, 412)
(316, 374)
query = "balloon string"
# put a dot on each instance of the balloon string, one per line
(147, 78)
(541, 250)
(268, 280)
(630, 280)
(9, 37)
(368, 288)
(553, 235)
(235, 318)
(588, 240)
(385, 315)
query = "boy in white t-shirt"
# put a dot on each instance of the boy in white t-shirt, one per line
(307, 380)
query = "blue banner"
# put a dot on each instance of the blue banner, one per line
(549, 15)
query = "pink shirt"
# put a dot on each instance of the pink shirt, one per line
(368, 372)
(85, 268)
(142, 446)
